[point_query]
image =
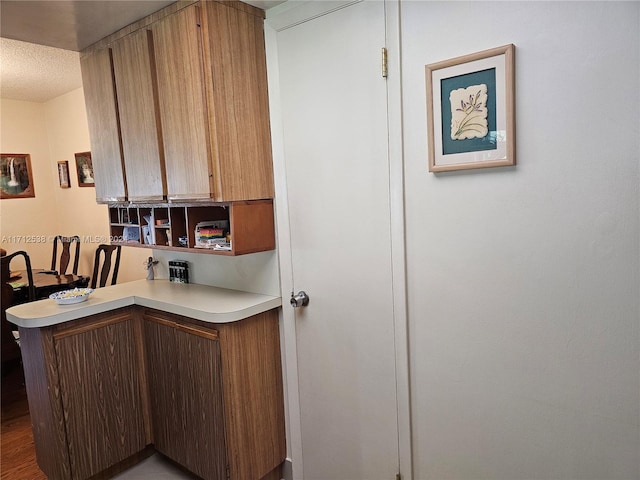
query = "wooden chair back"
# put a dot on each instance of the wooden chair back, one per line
(5, 262)
(65, 254)
(9, 348)
(100, 275)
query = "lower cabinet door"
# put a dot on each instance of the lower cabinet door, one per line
(162, 375)
(99, 365)
(184, 373)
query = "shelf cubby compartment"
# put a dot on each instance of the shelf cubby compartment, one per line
(145, 215)
(162, 226)
(177, 219)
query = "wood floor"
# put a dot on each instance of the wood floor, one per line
(17, 454)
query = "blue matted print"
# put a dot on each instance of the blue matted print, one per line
(448, 85)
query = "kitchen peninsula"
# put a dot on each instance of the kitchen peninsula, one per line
(191, 371)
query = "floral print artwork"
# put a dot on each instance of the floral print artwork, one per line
(469, 112)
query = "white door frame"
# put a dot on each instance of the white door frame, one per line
(280, 18)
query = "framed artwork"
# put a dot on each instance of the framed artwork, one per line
(16, 178)
(63, 174)
(85, 169)
(471, 111)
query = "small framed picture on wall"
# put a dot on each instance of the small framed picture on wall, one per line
(63, 174)
(470, 111)
(84, 168)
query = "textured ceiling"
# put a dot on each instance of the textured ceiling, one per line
(31, 69)
(37, 73)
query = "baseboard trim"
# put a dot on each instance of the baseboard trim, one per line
(287, 469)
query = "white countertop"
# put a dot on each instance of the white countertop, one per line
(202, 302)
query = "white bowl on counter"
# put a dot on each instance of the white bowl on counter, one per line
(69, 297)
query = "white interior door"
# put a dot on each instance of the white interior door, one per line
(335, 145)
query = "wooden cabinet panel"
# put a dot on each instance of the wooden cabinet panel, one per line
(191, 117)
(200, 386)
(177, 44)
(252, 226)
(102, 117)
(208, 396)
(160, 347)
(45, 404)
(186, 404)
(99, 372)
(134, 71)
(253, 395)
(214, 112)
(207, 390)
(236, 81)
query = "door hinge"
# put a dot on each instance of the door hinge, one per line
(384, 62)
(228, 473)
(398, 476)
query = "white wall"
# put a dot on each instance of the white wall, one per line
(523, 283)
(23, 130)
(256, 272)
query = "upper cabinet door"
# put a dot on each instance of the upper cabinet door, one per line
(193, 106)
(134, 71)
(236, 80)
(178, 49)
(102, 117)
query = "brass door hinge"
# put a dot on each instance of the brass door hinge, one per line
(384, 62)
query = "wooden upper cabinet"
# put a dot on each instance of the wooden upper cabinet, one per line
(102, 117)
(187, 113)
(136, 86)
(236, 81)
(177, 44)
(212, 88)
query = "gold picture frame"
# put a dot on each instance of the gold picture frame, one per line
(471, 111)
(16, 177)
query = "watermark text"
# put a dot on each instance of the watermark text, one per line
(34, 239)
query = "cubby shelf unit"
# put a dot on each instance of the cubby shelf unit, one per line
(251, 225)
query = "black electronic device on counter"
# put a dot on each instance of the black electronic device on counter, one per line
(178, 271)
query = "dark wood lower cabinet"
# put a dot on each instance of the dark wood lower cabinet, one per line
(208, 396)
(99, 372)
(167, 434)
(185, 376)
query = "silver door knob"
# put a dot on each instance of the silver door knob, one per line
(300, 299)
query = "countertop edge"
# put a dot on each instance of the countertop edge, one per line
(212, 317)
(192, 301)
